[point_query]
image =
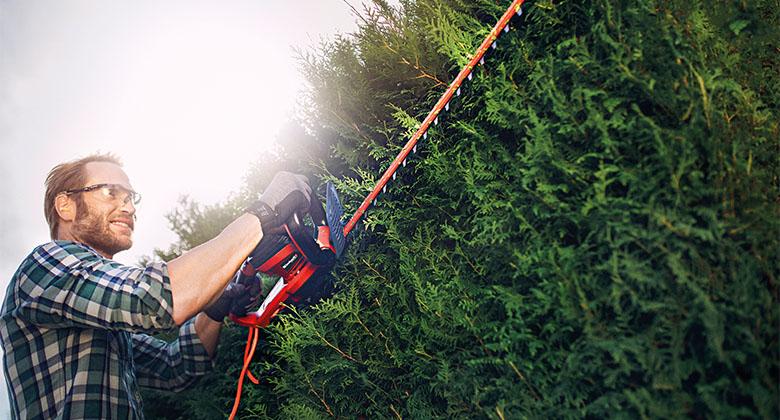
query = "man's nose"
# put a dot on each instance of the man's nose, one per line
(128, 206)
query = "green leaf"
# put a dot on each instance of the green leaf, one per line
(738, 25)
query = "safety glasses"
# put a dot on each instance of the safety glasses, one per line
(110, 192)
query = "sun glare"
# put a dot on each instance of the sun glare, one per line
(190, 105)
(187, 94)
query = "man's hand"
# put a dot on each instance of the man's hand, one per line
(286, 194)
(237, 298)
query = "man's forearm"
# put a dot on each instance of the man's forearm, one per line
(200, 274)
(208, 332)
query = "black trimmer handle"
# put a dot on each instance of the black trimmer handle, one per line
(317, 212)
(307, 239)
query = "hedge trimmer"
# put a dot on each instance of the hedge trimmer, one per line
(301, 256)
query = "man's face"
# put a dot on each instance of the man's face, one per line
(102, 221)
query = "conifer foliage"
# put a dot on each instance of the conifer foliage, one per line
(590, 231)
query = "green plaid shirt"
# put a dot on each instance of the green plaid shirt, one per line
(72, 327)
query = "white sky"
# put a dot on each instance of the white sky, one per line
(187, 93)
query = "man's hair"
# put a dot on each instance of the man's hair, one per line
(68, 176)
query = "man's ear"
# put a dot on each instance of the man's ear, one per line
(65, 206)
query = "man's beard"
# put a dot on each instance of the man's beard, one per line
(93, 229)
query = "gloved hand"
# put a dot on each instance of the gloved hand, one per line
(237, 298)
(286, 194)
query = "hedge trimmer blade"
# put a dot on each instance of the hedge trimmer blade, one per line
(333, 213)
(441, 106)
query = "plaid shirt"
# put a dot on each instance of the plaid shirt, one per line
(71, 326)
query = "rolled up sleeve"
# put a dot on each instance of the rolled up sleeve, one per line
(170, 366)
(65, 284)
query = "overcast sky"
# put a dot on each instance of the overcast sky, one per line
(187, 93)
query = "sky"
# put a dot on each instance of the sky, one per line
(186, 93)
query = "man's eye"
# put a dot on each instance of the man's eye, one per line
(108, 191)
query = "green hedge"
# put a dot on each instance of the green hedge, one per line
(591, 231)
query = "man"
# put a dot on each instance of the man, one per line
(73, 322)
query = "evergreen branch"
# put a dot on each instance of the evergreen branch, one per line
(471, 264)
(522, 378)
(705, 100)
(416, 65)
(314, 391)
(479, 339)
(352, 125)
(357, 317)
(355, 11)
(500, 413)
(371, 267)
(327, 343)
(387, 349)
(398, 416)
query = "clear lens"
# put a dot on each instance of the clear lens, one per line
(118, 192)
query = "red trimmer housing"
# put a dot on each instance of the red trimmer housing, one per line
(296, 255)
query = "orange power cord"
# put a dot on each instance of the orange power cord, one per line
(249, 351)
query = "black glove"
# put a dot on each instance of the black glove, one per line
(237, 298)
(286, 194)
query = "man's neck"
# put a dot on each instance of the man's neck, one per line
(68, 236)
